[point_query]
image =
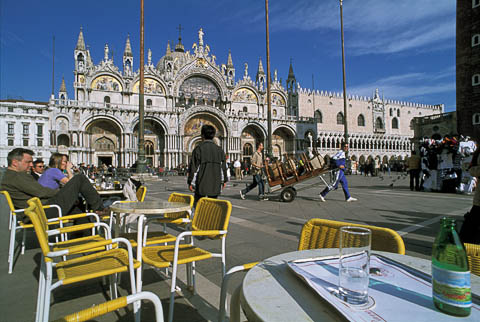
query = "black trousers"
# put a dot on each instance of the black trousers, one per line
(415, 176)
(67, 197)
(197, 197)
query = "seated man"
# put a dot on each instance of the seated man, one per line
(22, 186)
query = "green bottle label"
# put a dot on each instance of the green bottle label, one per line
(451, 287)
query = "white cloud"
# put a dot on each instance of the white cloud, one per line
(372, 26)
(410, 85)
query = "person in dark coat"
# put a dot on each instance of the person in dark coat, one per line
(207, 172)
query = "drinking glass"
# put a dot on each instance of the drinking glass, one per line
(354, 267)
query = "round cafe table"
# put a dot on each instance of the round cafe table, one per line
(272, 292)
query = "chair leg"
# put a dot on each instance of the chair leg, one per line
(11, 249)
(40, 296)
(235, 305)
(192, 274)
(172, 292)
(47, 293)
(23, 240)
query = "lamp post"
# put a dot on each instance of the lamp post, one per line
(269, 80)
(345, 112)
(141, 163)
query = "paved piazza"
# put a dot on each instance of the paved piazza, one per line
(257, 230)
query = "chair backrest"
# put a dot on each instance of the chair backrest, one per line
(180, 197)
(473, 255)
(9, 201)
(212, 214)
(37, 216)
(141, 192)
(324, 233)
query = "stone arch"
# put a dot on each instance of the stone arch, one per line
(245, 94)
(106, 81)
(155, 132)
(284, 137)
(152, 88)
(209, 73)
(103, 139)
(225, 124)
(252, 134)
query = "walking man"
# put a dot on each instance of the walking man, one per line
(339, 160)
(207, 172)
(257, 165)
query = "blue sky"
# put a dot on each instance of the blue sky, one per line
(405, 48)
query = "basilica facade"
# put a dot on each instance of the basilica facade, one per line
(186, 89)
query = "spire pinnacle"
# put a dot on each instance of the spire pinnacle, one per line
(179, 47)
(63, 88)
(128, 48)
(229, 61)
(169, 51)
(260, 67)
(80, 41)
(290, 71)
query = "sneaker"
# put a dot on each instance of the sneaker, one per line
(321, 198)
(262, 198)
(351, 199)
(242, 195)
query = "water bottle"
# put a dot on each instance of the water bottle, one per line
(450, 272)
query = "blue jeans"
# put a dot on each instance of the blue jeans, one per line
(257, 181)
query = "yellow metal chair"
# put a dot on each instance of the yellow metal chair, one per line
(210, 221)
(110, 306)
(16, 225)
(324, 233)
(78, 269)
(473, 255)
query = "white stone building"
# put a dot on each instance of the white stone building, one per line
(24, 124)
(186, 89)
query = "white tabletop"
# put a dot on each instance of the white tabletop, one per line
(149, 207)
(272, 292)
(110, 192)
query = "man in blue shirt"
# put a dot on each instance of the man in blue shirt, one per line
(339, 160)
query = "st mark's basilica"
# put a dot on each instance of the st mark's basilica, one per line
(188, 88)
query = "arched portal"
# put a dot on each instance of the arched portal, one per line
(192, 132)
(103, 137)
(64, 140)
(284, 138)
(251, 136)
(154, 138)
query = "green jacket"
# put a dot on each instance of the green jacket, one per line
(22, 186)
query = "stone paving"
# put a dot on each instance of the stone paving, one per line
(258, 230)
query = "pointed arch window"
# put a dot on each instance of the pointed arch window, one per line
(245, 109)
(274, 113)
(398, 113)
(361, 120)
(391, 111)
(379, 123)
(340, 119)
(318, 116)
(149, 103)
(394, 123)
